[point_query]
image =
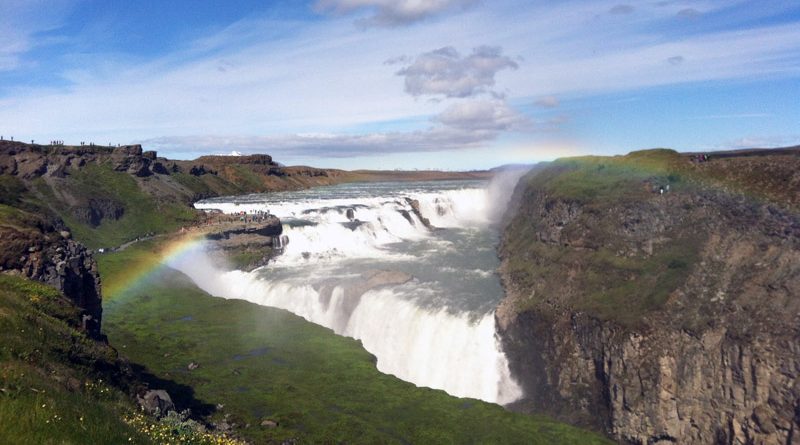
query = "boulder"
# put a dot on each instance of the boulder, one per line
(267, 423)
(156, 401)
(415, 209)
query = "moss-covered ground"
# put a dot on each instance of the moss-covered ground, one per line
(260, 363)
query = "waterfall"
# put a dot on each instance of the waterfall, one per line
(368, 267)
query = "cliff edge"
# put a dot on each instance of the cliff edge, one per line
(657, 295)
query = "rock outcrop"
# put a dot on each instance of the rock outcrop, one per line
(660, 318)
(247, 245)
(98, 209)
(42, 252)
(30, 161)
(414, 204)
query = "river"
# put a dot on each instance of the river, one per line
(359, 260)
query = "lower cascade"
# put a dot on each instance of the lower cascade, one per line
(407, 269)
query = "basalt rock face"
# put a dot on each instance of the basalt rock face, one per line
(30, 161)
(98, 209)
(258, 159)
(660, 318)
(45, 252)
(247, 245)
(414, 204)
(266, 226)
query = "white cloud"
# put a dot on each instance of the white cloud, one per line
(482, 115)
(760, 142)
(392, 13)
(271, 78)
(328, 145)
(20, 23)
(443, 72)
(716, 56)
(548, 102)
(464, 125)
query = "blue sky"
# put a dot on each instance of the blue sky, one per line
(451, 84)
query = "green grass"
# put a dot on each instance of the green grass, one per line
(600, 178)
(15, 218)
(11, 190)
(143, 212)
(59, 387)
(246, 178)
(266, 363)
(40, 353)
(206, 185)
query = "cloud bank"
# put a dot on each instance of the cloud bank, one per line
(319, 86)
(392, 13)
(464, 125)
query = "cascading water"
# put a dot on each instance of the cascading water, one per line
(360, 260)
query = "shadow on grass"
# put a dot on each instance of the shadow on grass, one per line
(183, 396)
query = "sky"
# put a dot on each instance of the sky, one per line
(428, 84)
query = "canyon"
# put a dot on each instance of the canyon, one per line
(650, 296)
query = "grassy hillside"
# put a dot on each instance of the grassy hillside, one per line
(263, 363)
(57, 386)
(142, 212)
(50, 388)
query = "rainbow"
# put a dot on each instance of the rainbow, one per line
(128, 269)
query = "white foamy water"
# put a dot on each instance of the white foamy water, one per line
(429, 321)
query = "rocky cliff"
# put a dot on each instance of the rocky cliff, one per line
(658, 298)
(42, 250)
(244, 245)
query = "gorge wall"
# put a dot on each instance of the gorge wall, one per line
(42, 250)
(660, 317)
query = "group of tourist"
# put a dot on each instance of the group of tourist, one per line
(58, 142)
(253, 216)
(699, 158)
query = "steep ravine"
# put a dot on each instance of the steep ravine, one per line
(659, 318)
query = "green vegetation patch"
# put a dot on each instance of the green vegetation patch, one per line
(59, 387)
(142, 212)
(265, 364)
(206, 185)
(604, 179)
(50, 392)
(11, 190)
(245, 177)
